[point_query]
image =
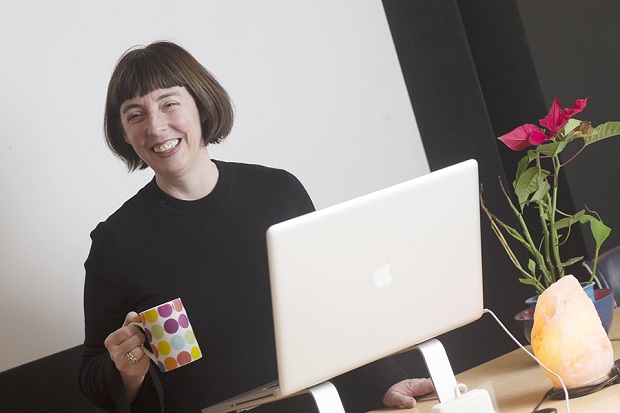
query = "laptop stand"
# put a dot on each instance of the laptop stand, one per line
(328, 401)
(439, 368)
(326, 398)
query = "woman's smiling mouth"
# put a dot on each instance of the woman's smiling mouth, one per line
(166, 146)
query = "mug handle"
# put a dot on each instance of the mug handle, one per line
(147, 351)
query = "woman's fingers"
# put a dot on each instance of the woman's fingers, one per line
(125, 348)
(131, 317)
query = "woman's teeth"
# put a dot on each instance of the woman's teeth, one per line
(166, 146)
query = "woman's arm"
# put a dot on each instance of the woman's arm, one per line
(103, 378)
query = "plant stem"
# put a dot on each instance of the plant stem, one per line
(554, 232)
(538, 258)
(495, 225)
(543, 206)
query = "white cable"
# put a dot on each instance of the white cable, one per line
(486, 310)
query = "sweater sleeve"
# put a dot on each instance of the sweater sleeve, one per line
(301, 203)
(106, 302)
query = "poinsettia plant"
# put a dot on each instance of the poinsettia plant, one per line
(536, 185)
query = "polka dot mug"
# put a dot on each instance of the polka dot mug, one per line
(170, 335)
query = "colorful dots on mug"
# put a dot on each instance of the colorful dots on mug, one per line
(184, 357)
(149, 335)
(155, 350)
(170, 363)
(170, 335)
(165, 310)
(171, 326)
(189, 337)
(183, 321)
(158, 331)
(177, 305)
(151, 315)
(164, 347)
(177, 342)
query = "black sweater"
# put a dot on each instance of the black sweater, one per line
(212, 253)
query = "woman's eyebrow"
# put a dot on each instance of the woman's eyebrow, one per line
(138, 105)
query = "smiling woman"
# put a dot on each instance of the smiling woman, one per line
(196, 232)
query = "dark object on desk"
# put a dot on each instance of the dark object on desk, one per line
(45, 385)
(607, 271)
(558, 394)
(614, 378)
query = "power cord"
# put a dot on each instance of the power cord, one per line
(566, 396)
(580, 391)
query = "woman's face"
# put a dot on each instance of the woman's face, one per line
(164, 129)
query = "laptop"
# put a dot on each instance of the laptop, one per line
(370, 277)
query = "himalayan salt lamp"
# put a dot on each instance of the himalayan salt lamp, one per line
(568, 336)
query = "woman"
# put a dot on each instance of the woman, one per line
(196, 231)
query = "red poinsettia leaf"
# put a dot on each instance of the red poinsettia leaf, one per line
(579, 105)
(557, 118)
(553, 118)
(518, 138)
(537, 137)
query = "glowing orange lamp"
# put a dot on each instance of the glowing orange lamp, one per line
(568, 336)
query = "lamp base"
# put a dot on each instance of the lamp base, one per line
(574, 392)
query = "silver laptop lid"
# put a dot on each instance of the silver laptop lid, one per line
(372, 276)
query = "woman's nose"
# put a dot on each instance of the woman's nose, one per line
(156, 124)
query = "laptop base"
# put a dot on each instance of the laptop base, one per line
(325, 397)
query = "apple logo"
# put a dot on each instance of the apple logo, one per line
(382, 276)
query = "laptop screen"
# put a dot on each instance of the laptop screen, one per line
(346, 279)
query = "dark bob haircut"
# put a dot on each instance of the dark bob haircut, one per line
(163, 65)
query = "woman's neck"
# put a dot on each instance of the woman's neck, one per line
(191, 186)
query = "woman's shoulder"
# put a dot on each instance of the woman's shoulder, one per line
(251, 170)
(259, 176)
(264, 182)
(131, 206)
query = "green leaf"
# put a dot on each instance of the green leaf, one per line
(571, 125)
(543, 189)
(571, 261)
(531, 265)
(568, 221)
(528, 183)
(604, 131)
(549, 149)
(522, 166)
(528, 281)
(600, 231)
(553, 148)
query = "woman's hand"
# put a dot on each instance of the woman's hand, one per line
(402, 394)
(125, 348)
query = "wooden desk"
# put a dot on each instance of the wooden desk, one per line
(517, 384)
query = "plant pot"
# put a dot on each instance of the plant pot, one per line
(588, 288)
(603, 302)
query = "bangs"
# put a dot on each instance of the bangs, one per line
(144, 73)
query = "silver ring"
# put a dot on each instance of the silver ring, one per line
(131, 358)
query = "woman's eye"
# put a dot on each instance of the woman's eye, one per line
(132, 117)
(170, 104)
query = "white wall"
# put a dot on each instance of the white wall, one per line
(317, 90)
